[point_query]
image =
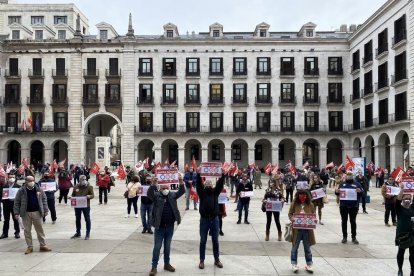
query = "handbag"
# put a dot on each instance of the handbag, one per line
(263, 207)
(126, 194)
(325, 199)
(288, 232)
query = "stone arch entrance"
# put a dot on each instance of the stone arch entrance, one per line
(14, 152)
(60, 150)
(37, 152)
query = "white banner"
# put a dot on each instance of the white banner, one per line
(222, 199)
(318, 193)
(48, 186)
(142, 190)
(302, 185)
(79, 202)
(391, 190)
(274, 206)
(211, 169)
(9, 193)
(246, 194)
(347, 194)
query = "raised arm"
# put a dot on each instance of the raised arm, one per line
(219, 185)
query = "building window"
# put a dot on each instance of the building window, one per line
(113, 67)
(12, 95)
(311, 66)
(400, 29)
(355, 89)
(195, 152)
(258, 152)
(311, 93)
(263, 92)
(400, 67)
(215, 152)
(216, 121)
(239, 121)
(287, 66)
(356, 119)
(193, 121)
(37, 66)
(15, 19)
(193, 94)
(236, 151)
(37, 20)
(368, 116)
(382, 42)
(169, 95)
(368, 52)
(239, 66)
(14, 67)
(169, 122)
(287, 93)
(60, 19)
(37, 121)
(145, 93)
(193, 67)
(383, 111)
(216, 93)
(61, 121)
(91, 66)
(355, 61)
(15, 34)
(59, 92)
(60, 67)
(335, 66)
(309, 33)
(36, 93)
(170, 33)
(287, 121)
(112, 93)
(311, 121)
(262, 32)
(263, 66)
(168, 67)
(401, 106)
(12, 120)
(90, 92)
(335, 93)
(368, 83)
(145, 121)
(263, 121)
(335, 121)
(103, 34)
(216, 66)
(145, 66)
(216, 33)
(38, 34)
(240, 93)
(61, 34)
(383, 75)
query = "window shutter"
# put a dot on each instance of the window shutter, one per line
(8, 119)
(317, 120)
(245, 120)
(54, 91)
(292, 116)
(234, 121)
(221, 121)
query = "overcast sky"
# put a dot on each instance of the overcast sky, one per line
(235, 15)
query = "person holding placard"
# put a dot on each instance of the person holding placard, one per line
(102, 182)
(65, 184)
(363, 180)
(50, 194)
(8, 209)
(348, 192)
(389, 201)
(289, 182)
(146, 207)
(317, 184)
(302, 205)
(190, 180)
(274, 193)
(83, 189)
(31, 205)
(244, 201)
(132, 197)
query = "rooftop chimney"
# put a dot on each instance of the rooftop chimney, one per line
(343, 28)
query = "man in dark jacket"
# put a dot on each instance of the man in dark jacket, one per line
(209, 211)
(348, 207)
(244, 201)
(363, 180)
(165, 213)
(146, 208)
(289, 182)
(50, 195)
(8, 209)
(190, 180)
(83, 189)
(389, 202)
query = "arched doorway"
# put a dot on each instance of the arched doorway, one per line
(169, 150)
(384, 151)
(263, 153)
(239, 153)
(357, 147)
(14, 152)
(60, 151)
(37, 152)
(286, 152)
(146, 149)
(369, 148)
(311, 152)
(216, 151)
(334, 151)
(193, 148)
(402, 157)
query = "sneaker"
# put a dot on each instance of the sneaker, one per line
(29, 250)
(218, 264)
(344, 240)
(295, 268)
(238, 222)
(169, 268)
(136, 215)
(309, 268)
(355, 241)
(77, 235)
(126, 216)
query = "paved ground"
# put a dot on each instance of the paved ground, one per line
(117, 246)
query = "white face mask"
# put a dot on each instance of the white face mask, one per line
(30, 184)
(12, 180)
(406, 203)
(165, 192)
(83, 183)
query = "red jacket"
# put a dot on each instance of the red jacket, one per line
(103, 181)
(65, 182)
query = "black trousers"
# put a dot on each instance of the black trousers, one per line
(132, 201)
(400, 258)
(276, 216)
(220, 222)
(390, 209)
(103, 191)
(352, 213)
(289, 192)
(52, 208)
(63, 194)
(8, 212)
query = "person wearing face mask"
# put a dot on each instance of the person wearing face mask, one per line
(50, 195)
(274, 193)
(244, 186)
(83, 189)
(190, 180)
(289, 182)
(404, 238)
(8, 210)
(165, 213)
(302, 204)
(103, 184)
(64, 184)
(389, 202)
(132, 197)
(146, 208)
(315, 184)
(349, 207)
(209, 221)
(363, 180)
(31, 205)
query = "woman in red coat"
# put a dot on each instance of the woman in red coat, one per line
(103, 184)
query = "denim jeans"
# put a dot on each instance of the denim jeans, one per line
(243, 205)
(162, 234)
(303, 235)
(103, 191)
(206, 225)
(86, 214)
(187, 199)
(146, 210)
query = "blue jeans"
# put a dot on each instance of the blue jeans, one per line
(243, 205)
(86, 214)
(146, 210)
(303, 235)
(187, 199)
(206, 225)
(162, 234)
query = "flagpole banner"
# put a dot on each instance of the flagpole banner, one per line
(79, 202)
(48, 186)
(143, 190)
(211, 169)
(222, 199)
(304, 221)
(274, 206)
(391, 190)
(347, 194)
(9, 193)
(318, 193)
(167, 176)
(302, 185)
(359, 165)
(408, 185)
(246, 194)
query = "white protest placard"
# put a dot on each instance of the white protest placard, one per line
(79, 202)
(274, 206)
(246, 194)
(347, 194)
(304, 221)
(48, 186)
(167, 176)
(142, 190)
(302, 185)
(211, 169)
(318, 193)
(9, 193)
(391, 190)
(222, 199)
(408, 185)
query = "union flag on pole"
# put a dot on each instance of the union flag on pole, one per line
(53, 167)
(95, 168)
(398, 174)
(121, 171)
(268, 168)
(62, 163)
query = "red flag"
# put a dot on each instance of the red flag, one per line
(268, 168)
(24, 163)
(146, 163)
(121, 171)
(193, 194)
(62, 163)
(194, 164)
(234, 170)
(291, 167)
(330, 165)
(53, 167)
(156, 166)
(186, 167)
(398, 174)
(95, 168)
(20, 170)
(139, 166)
(349, 163)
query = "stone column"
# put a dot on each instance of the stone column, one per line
(322, 157)
(204, 154)
(396, 156)
(275, 155)
(298, 157)
(377, 150)
(181, 160)
(250, 159)
(227, 154)
(3, 155)
(158, 154)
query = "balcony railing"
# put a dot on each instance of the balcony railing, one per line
(287, 101)
(335, 100)
(59, 101)
(112, 101)
(12, 101)
(356, 95)
(355, 66)
(311, 101)
(168, 101)
(91, 73)
(60, 73)
(376, 122)
(238, 101)
(19, 129)
(287, 72)
(144, 74)
(367, 90)
(382, 83)
(399, 77)
(311, 72)
(36, 73)
(113, 73)
(145, 101)
(192, 101)
(264, 73)
(216, 101)
(12, 74)
(367, 58)
(399, 38)
(263, 100)
(35, 101)
(169, 73)
(90, 101)
(382, 49)
(338, 72)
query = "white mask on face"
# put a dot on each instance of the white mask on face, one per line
(165, 192)
(30, 184)
(12, 180)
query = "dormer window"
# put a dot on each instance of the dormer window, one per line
(216, 33)
(15, 19)
(309, 33)
(103, 34)
(38, 34)
(38, 20)
(61, 34)
(170, 33)
(263, 33)
(61, 19)
(15, 34)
